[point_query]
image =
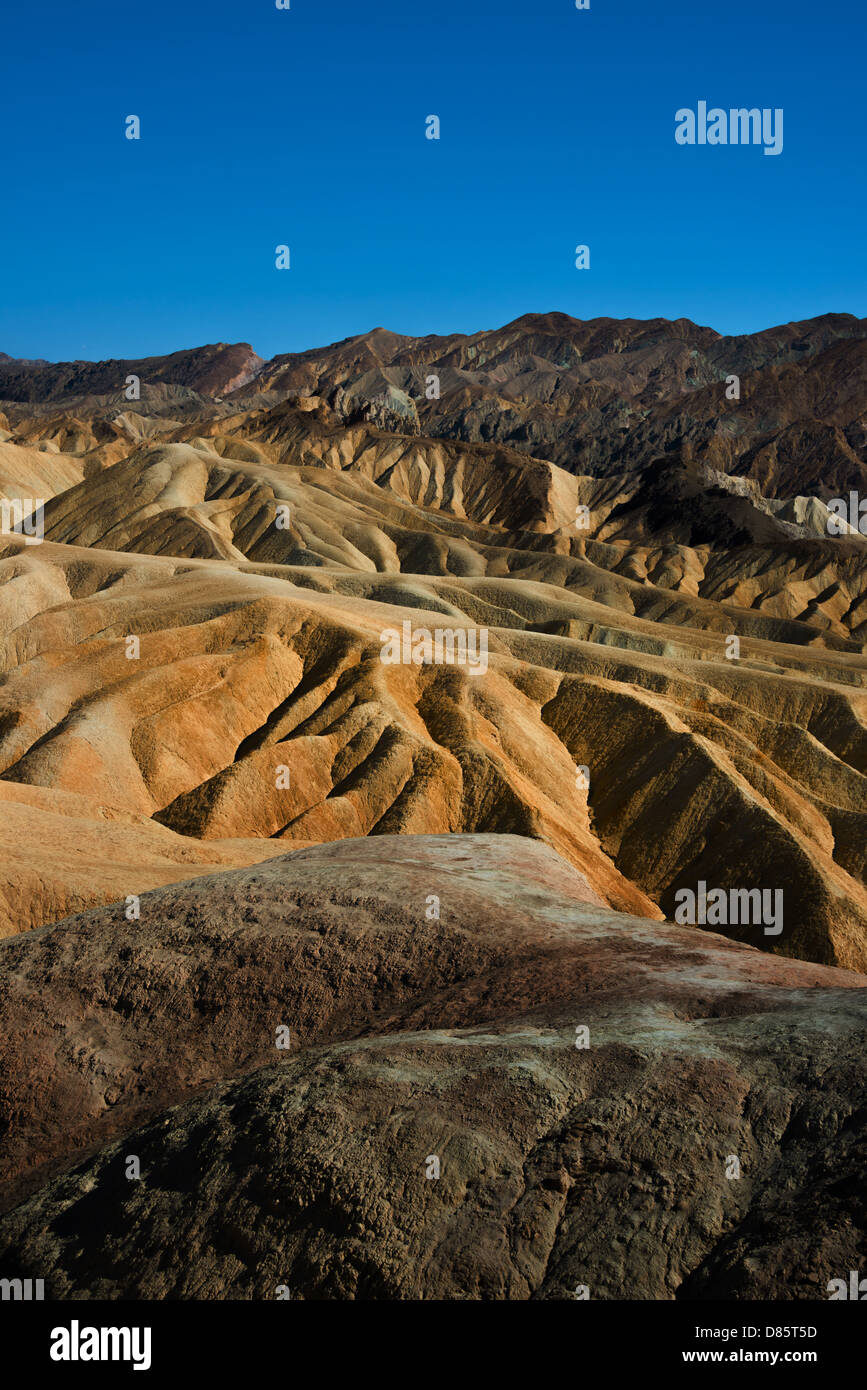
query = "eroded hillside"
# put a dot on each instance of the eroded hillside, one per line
(193, 661)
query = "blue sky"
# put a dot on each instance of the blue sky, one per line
(307, 127)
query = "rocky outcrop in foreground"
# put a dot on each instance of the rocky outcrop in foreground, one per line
(704, 1139)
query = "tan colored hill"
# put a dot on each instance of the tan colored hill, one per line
(695, 532)
(31, 476)
(63, 852)
(246, 667)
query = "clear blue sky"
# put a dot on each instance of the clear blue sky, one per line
(306, 127)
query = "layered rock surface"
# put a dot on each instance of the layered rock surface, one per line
(413, 1037)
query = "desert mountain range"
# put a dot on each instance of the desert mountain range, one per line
(196, 719)
(595, 397)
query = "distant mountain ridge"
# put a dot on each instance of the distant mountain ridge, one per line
(597, 397)
(210, 371)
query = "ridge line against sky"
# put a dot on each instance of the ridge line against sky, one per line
(368, 332)
(307, 128)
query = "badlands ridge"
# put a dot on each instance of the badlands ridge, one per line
(224, 812)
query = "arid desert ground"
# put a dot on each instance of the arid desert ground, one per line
(434, 816)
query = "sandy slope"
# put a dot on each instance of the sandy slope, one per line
(260, 649)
